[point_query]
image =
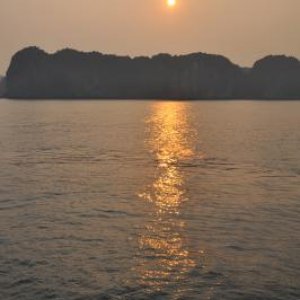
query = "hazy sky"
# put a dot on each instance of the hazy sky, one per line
(243, 30)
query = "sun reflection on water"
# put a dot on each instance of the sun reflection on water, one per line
(162, 244)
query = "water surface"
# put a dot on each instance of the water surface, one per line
(149, 200)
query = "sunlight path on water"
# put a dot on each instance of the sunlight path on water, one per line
(171, 139)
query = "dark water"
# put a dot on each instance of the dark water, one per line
(149, 200)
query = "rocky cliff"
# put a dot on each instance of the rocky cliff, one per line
(34, 73)
(2, 86)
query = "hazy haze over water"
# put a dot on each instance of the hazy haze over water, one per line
(240, 29)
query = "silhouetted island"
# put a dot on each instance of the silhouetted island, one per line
(70, 74)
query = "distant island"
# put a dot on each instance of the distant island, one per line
(70, 74)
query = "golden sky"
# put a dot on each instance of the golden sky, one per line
(242, 30)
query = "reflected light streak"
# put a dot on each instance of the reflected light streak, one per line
(162, 243)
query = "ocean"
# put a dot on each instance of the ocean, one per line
(149, 200)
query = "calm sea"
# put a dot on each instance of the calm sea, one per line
(149, 200)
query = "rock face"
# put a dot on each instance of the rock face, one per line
(275, 77)
(2, 86)
(71, 74)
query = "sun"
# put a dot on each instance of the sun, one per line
(171, 3)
